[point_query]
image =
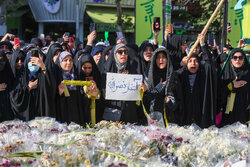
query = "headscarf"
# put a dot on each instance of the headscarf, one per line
(222, 57)
(6, 74)
(144, 63)
(53, 48)
(96, 50)
(10, 46)
(120, 66)
(32, 75)
(77, 44)
(132, 65)
(78, 55)
(133, 46)
(174, 48)
(95, 72)
(229, 72)
(102, 61)
(37, 42)
(13, 59)
(60, 74)
(29, 47)
(228, 46)
(154, 73)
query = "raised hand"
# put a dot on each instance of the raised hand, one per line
(91, 37)
(38, 62)
(241, 43)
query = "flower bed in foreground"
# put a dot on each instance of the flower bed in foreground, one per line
(45, 142)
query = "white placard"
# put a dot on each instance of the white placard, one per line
(123, 87)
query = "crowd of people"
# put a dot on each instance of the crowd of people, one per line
(206, 88)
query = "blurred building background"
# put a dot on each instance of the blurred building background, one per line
(30, 18)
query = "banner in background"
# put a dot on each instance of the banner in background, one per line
(239, 16)
(123, 87)
(146, 10)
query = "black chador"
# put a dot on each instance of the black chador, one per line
(161, 84)
(199, 91)
(68, 108)
(240, 106)
(96, 77)
(29, 103)
(6, 81)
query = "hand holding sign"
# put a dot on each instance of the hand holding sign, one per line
(123, 87)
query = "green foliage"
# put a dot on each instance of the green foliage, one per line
(208, 8)
(126, 22)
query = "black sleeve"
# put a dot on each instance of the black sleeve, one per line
(206, 56)
(47, 92)
(19, 100)
(155, 47)
(174, 106)
(88, 48)
(155, 92)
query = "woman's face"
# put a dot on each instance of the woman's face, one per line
(148, 52)
(56, 55)
(196, 50)
(87, 68)
(4, 48)
(122, 55)
(184, 47)
(161, 60)
(193, 65)
(97, 57)
(226, 50)
(67, 63)
(237, 60)
(19, 62)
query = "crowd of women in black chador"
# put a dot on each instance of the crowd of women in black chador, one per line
(203, 89)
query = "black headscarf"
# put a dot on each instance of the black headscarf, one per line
(228, 72)
(6, 77)
(199, 98)
(15, 56)
(37, 42)
(228, 46)
(50, 54)
(174, 48)
(10, 46)
(27, 104)
(29, 47)
(102, 62)
(241, 107)
(78, 55)
(222, 57)
(144, 63)
(95, 72)
(6, 72)
(133, 46)
(77, 45)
